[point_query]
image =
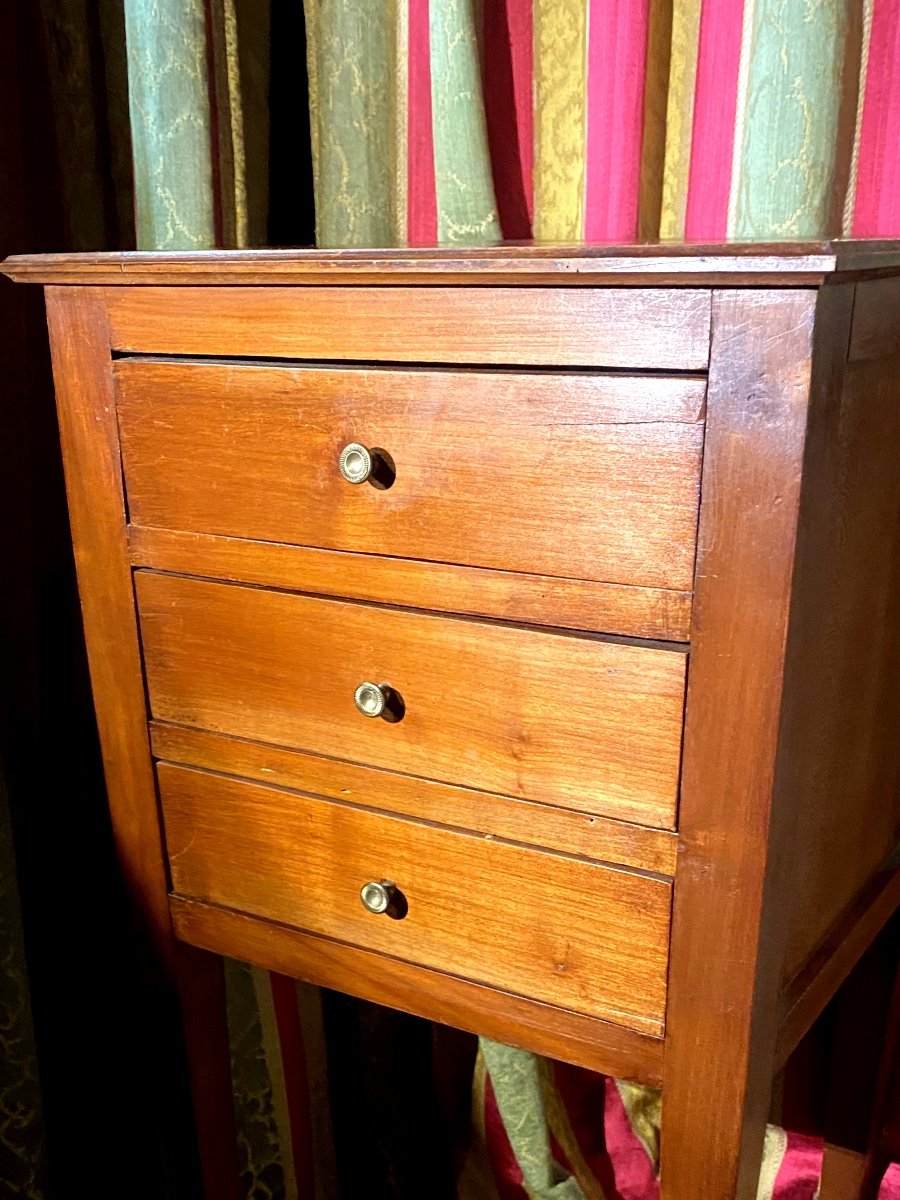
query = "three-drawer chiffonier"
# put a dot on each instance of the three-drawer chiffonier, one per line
(508, 636)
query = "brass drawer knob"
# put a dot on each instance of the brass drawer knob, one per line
(377, 897)
(371, 699)
(356, 463)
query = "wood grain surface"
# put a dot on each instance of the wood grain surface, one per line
(540, 825)
(655, 613)
(846, 690)
(581, 476)
(517, 1020)
(576, 934)
(606, 327)
(776, 264)
(571, 720)
(723, 1011)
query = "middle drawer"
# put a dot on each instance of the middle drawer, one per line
(572, 720)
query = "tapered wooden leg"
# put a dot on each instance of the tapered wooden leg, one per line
(736, 810)
(201, 987)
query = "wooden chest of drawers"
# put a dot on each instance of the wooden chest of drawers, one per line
(510, 637)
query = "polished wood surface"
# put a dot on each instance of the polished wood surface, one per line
(580, 722)
(516, 1020)
(724, 1014)
(89, 436)
(92, 461)
(654, 613)
(804, 997)
(775, 264)
(582, 834)
(579, 935)
(615, 327)
(876, 329)
(846, 689)
(534, 791)
(574, 475)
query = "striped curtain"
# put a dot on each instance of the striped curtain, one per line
(605, 120)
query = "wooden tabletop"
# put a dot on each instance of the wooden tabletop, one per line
(759, 263)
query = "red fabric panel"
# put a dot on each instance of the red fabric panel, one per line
(617, 64)
(801, 1169)
(878, 178)
(421, 194)
(715, 112)
(296, 1083)
(508, 107)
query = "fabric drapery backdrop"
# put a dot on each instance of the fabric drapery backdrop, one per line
(466, 122)
(605, 120)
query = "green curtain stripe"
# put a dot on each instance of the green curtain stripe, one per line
(353, 68)
(168, 95)
(787, 156)
(466, 208)
(516, 1079)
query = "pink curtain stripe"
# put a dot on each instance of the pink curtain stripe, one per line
(801, 1169)
(878, 177)
(634, 1172)
(509, 112)
(890, 1185)
(421, 192)
(715, 111)
(617, 62)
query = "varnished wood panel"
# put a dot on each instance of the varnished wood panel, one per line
(90, 445)
(530, 599)
(516, 1020)
(846, 690)
(776, 264)
(805, 995)
(581, 476)
(575, 934)
(91, 456)
(483, 812)
(608, 327)
(725, 948)
(576, 721)
(876, 328)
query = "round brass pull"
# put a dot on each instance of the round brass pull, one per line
(356, 463)
(377, 897)
(371, 699)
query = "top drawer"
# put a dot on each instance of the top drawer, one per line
(648, 328)
(586, 476)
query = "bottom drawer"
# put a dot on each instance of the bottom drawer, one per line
(584, 936)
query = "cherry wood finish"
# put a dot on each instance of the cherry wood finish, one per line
(653, 613)
(732, 818)
(582, 476)
(775, 264)
(517, 1020)
(576, 721)
(583, 936)
(530, 762)
(92, 461)
(620, 328)
(581, 834)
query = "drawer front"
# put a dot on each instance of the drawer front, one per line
(580, 935)
(583, 476)
(569, 720)
(647, 328)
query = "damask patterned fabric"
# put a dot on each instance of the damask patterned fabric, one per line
(604, 120)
